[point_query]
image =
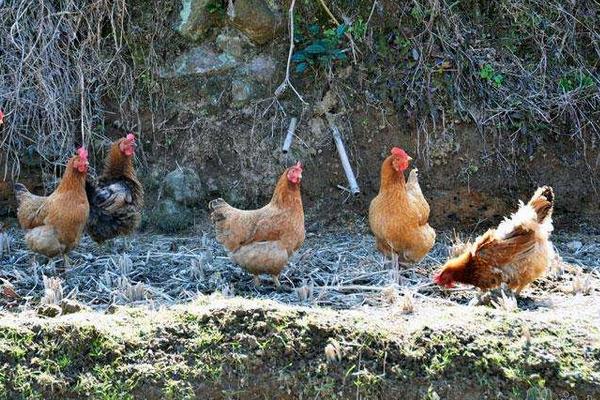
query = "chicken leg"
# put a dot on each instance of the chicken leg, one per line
(276, 281)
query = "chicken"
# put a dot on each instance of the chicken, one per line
(117, 199)
(262, 241)
(55, 223)
(516, 253)
(398, 215)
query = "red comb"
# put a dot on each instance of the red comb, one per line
(130, 137)
(1, 116)
(398, 152)
(82, 153)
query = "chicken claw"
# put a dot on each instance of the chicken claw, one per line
(276, 281)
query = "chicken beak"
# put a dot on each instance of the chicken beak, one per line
(409, 158)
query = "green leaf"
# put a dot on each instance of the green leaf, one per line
(326, 59)
(498, 80)
(300, 68)
(341, 29)
(486, 72)
(330, 33)
(314, 29)
(340, 55)
(315, 48)
(299, 57)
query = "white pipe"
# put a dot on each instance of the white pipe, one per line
(287, 143)
(344, 159)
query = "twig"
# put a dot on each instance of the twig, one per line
(371, 14)
(329, 12)
(82, 88)
(287, 143)
(337, 137)
(286, 82)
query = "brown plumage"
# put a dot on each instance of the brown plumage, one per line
(515, 253)
(398, 215)
(117, 199)
(261, 241)
(55, 223)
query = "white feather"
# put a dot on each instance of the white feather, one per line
(525, 217)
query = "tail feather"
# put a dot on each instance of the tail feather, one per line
(216, 204)
(542, 203)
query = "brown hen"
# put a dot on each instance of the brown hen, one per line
(262, 241)
(398, 215)
(55, 223)
(515, 253)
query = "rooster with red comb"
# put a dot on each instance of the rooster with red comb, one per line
(117, 198)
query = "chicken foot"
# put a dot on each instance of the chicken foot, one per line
(275, 281)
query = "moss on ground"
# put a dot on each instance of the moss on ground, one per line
(254, 350)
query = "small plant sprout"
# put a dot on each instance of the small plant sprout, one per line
(123, 264)
(582, 283)
(333, 351)
(358, 29)
(129, 292)
(196, 269)
(53, 291)
(538, 393)
(557, 265)
(526, 335)
(575, 81)
(4, 243)
(408, 303)
(227, 290)
(136, 292)
(304, 292)
(487, 73)
(389, 295)
(506, 302)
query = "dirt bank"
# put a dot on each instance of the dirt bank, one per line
(487, 106)
(240, 349)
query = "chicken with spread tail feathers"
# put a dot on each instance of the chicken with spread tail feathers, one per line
(262, 241)
(516, 253)
(117, 198)
(399, 214)
(55, 223)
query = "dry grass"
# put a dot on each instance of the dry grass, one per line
(59, 61)
(335, 269)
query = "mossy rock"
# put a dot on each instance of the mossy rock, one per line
(170, 216)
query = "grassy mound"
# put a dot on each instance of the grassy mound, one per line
(236, 348)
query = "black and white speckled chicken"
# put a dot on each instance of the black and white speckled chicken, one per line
(117, 198)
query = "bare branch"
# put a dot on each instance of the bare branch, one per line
(286, 82)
